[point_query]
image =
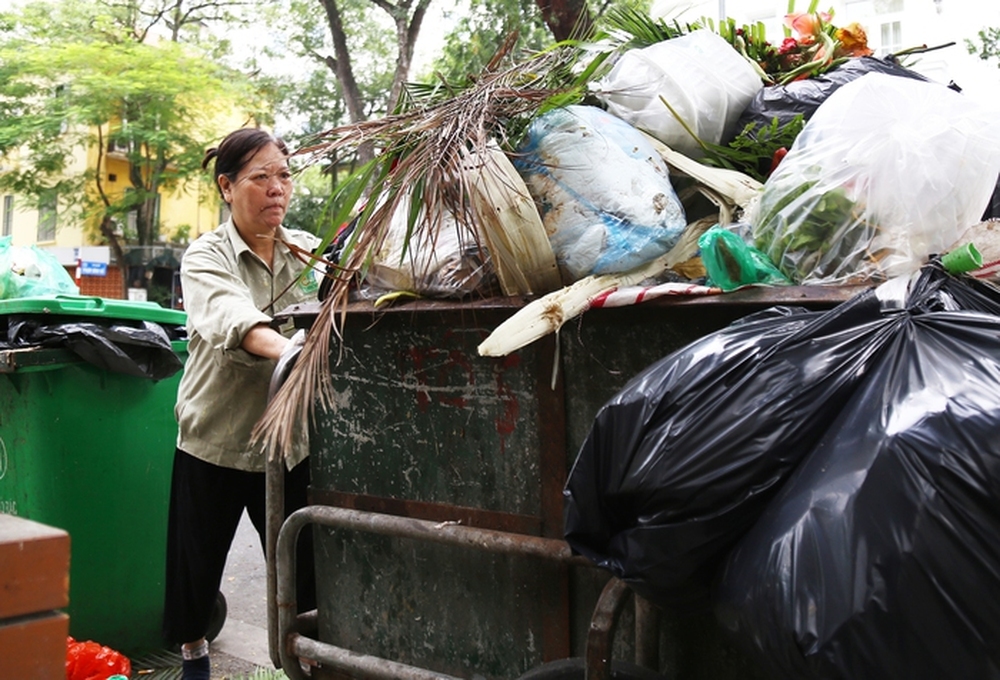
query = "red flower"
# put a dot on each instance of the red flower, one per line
(788, 45)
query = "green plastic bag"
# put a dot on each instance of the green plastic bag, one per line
(30, 271)
(731, 263)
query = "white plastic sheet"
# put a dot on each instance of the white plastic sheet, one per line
(602, 190)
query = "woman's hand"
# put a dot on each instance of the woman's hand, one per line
(264, 341)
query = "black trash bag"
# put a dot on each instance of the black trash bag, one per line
(880, 558)
(992, 211)
(142, 350)
(679, 465)
(803, 97)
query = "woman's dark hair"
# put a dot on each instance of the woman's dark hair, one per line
(236, 149)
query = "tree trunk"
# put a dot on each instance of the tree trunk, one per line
(565, 18)
(407, 31)
(340, 63)
(108, 231)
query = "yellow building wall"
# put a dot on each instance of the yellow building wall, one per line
(186, 212)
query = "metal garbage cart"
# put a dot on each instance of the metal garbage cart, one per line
(89, 451)
(433, 450)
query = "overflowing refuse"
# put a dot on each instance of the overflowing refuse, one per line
(26, 271)
(131, 338)
(827, 482)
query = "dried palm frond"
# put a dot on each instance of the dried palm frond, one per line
(421, 167)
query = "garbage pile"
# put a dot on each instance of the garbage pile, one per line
(811, 161)
(828, 483)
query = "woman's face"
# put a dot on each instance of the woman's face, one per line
(259, 196)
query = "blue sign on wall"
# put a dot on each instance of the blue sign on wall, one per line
(94, 268)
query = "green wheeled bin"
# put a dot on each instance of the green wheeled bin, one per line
(90, 450)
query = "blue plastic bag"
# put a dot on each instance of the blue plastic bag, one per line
(602, 191)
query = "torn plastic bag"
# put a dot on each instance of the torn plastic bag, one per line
(888, 172)
(681, 462)
(603, 192)
(437, 257)
(803, 97)
(880, 558)
(143, 350)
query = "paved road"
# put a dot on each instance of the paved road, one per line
(244, 583)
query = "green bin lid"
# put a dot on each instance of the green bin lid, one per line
(83, 305)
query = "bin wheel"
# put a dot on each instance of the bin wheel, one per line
(219, 612)
(576, 669)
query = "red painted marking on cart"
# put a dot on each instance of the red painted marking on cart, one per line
(418, 356)
(506, 422)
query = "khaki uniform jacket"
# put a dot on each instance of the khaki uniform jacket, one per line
(227, 290)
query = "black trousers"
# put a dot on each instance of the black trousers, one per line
(206, 504)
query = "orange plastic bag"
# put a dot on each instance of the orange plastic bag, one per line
(92, 661)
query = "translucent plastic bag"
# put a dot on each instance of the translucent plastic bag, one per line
(731, 262)
(887, 172)
(703, 78)
(30, 271)
(603, 192)
(439, 260)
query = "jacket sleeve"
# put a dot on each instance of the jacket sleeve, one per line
(218, 302)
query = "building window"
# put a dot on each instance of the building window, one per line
(892, 37)
(888, 6)
(47, 209)
(8, 215)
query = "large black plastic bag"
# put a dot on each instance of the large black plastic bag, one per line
(880, 558)
(803, 97)
(679, 464)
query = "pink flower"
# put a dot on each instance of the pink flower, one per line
(807, 25)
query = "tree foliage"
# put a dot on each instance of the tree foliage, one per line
(481, 30)
(986, 46)
(75, 76)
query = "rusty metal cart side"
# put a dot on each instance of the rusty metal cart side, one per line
(436, 445)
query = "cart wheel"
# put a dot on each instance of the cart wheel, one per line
(576, 669)
(219, 612)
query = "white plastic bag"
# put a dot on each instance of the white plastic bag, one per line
(439, 260)
(887, 172)
(703, 78)
(602, 190)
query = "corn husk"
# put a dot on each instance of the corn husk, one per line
(508, 222)
(548, 314)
